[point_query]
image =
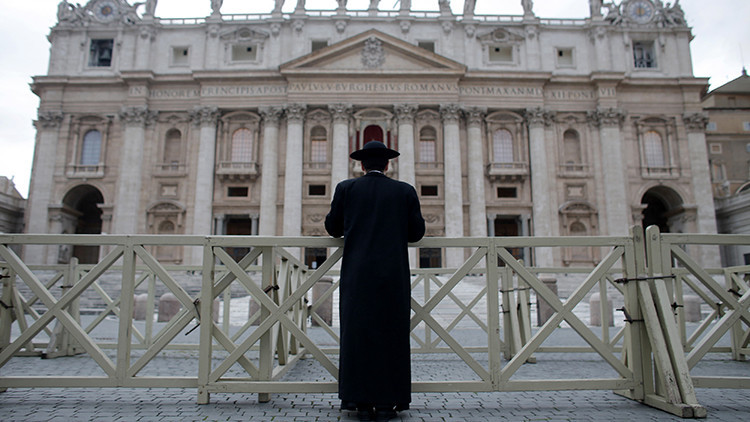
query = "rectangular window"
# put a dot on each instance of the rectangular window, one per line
(180, 56)
(429, 190)
(427, 151)
(501, 54)
(319, 44)
(100, 53)
(715, 148)
(643, 54)
(746, 126)
(318, 151)
(507, 192)
(711, 126)
(316, 190)
(427, 45)
(564, 57)
(244, 53)
(237, 191)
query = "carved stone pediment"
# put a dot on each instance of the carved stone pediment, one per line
(244, 34)
(373, 52)
(503, 36)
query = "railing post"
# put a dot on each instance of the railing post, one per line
(6, 307)
(265, 364)
(127, 292)
(493, 315)
(737, 333)
(150, 308)
(506, 290)
(206, 323)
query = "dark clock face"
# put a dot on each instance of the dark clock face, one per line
(105, 10)
(640, 11)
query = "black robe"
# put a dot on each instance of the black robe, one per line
(377, 216)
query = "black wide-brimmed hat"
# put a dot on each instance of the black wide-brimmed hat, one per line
(374, 149)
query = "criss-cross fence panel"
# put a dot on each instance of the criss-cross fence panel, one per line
(488, 293)
(726, 330)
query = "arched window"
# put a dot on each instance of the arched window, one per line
(571, 147)
(318, 145)
(242, 146)
(653, 149)
(172, 146)
(91, 148)
(427, 145)
(502, 146)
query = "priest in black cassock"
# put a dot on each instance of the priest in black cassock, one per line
(377, 216)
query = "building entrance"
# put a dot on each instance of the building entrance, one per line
(83, 203)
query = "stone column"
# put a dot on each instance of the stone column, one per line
(269, 171)
(405, 114)
(406, 173)
(477, 207)
(295, 116)
(695, 124)
(205, 118)
(340, 147)
(541, 189)
(127, 209)
(454, 201)
(42, 181)
(616, 202)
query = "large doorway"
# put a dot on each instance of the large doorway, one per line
(84, 201)
(238, 226)
(662, 205)
(508, 227)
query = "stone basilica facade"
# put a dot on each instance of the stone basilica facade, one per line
(242, 124)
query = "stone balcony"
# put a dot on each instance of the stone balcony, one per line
(511, 171)
(235, 170)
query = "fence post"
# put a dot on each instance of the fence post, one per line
(493, 315)
(6, 307)
(127, 294)
(265, 359)
(737, 333)
(206, 323)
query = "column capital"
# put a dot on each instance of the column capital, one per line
(538, 116)
(137, 115)
(475, 115)
(48, 120)
(405, 112)
(341, 112)
(695, 122)
(271, 115)
(295, 112)
(606, 117)
(204, 116)
(451, 113)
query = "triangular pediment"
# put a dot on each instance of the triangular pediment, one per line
(373, 52)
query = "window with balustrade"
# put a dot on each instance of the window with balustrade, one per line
(428, 145)
(502, 147)
(91, 148)
(318, 145)
(658, 156)
(242, 146)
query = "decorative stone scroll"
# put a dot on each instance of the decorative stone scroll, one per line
(138, 115)
(405, 112)
(48, 120)
(538, 116)
(451, 113)
(475, 115)
(295, 112)
(271, 115)
(341, 112)
(606, 117)
(204, 115)
(695, 122)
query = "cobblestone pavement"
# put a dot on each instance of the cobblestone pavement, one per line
(125, 404)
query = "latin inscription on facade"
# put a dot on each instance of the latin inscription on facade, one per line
(373, 88)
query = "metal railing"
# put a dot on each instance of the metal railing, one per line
(650, 356)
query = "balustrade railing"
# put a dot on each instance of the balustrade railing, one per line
(249, 322)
